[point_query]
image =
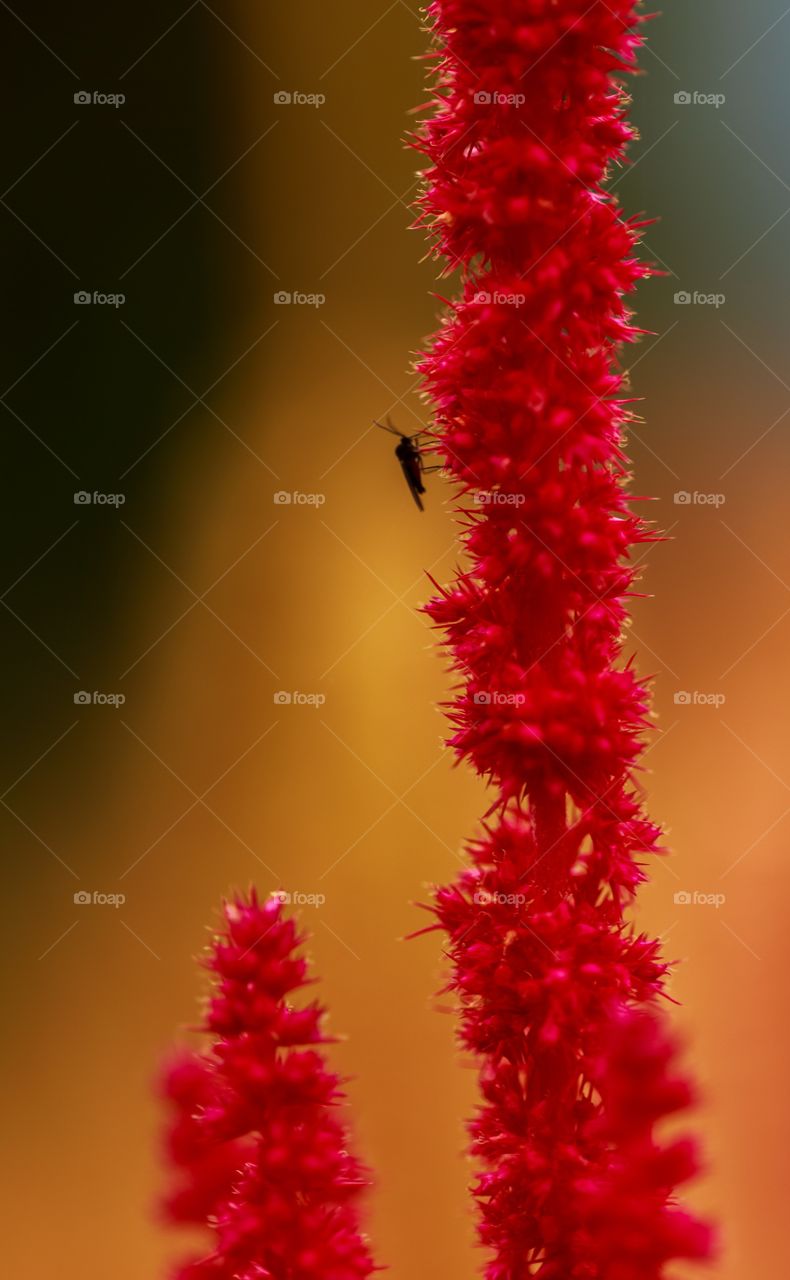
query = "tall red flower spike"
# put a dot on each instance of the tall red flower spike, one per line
(528, 119)
(259, 1153)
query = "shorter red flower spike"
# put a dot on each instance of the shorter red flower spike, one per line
(259, 1152)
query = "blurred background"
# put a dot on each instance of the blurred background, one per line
(218, 155)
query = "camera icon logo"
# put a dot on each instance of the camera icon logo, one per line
(682, 298)
(282, 698)
(282, 498)
(482, 97)
(482, 699)
(282, 98)
(82, 699)
(82, 498)
(282, 299)
(82, 898)
(281, 895)
(682, 898)
(82, 98)
(682, 698)
(682, 97)
(682, 498)
(82, 298)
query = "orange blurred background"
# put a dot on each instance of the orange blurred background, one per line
(202, 597)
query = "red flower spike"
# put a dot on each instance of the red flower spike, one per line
(258, 1148)
(531, 406)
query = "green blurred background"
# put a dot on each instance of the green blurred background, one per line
(200, 398)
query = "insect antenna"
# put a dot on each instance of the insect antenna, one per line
(388, 426)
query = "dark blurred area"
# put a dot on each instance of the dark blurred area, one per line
(107, 199)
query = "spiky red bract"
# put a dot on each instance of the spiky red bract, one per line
(204, 1170)
(530, 411)
(257, 1140)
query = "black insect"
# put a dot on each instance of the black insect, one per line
(409, 455)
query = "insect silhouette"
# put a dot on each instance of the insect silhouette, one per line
(409, 455)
